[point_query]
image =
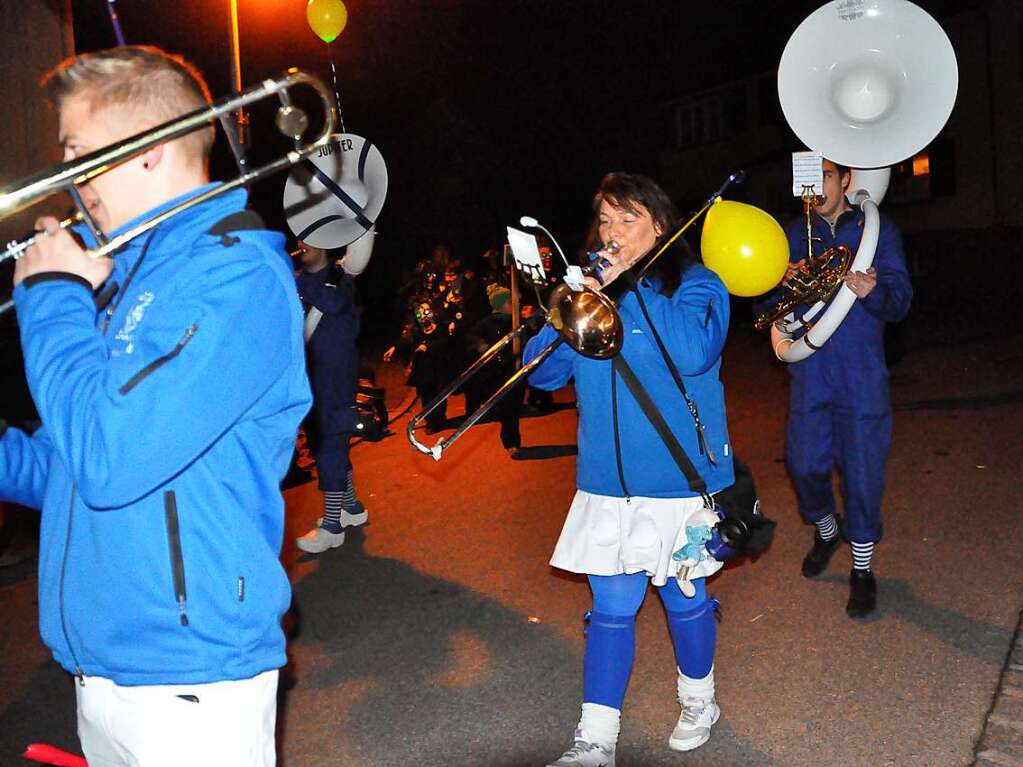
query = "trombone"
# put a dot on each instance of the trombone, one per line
(291, 120)
(585, 319)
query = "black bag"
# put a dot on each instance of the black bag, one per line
(744, 530)
(749, 530)
(370, 411)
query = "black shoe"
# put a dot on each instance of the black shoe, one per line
(296, 476)
(862, 594)
(819, 556)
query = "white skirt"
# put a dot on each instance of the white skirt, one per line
(604, 535)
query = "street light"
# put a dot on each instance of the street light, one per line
(241, 119)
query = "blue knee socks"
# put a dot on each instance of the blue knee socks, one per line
(693, 628)
(607, 662)
(611, 637)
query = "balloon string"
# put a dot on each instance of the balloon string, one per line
(117, 24)
(337, 95)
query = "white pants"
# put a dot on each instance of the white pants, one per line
(227, 724)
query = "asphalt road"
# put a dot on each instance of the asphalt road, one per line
(438, 635)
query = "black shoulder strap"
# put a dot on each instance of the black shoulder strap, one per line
(236, 222)
(639, 392)
(701, 437)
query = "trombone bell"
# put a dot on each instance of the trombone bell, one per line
(587, 321)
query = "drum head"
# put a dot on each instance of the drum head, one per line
(333, 196)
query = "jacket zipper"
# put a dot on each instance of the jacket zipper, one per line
(159, 362)
(63, 571)
(170, 507)
(618, 443)
(121, 292)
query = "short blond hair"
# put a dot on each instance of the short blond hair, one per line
(141, 77)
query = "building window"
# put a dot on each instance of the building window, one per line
(770, 106)
(928, 174)
(709, 117)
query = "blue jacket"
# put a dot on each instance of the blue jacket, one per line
(693, 324)
(852, 361)
(333, 341)
(168, 423)
(331, 355)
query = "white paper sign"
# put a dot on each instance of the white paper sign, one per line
(526, 254)
(807, 170)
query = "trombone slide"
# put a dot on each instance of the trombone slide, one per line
(438, 449)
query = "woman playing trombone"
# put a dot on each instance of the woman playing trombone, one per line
(632, 503)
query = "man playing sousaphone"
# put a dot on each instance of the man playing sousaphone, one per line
(839, 409)
(169, 405)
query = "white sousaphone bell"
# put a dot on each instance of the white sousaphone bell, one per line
(867, 83)
(334, 196)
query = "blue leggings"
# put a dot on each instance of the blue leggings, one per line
(611, 637)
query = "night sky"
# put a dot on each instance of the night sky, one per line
(484, 111)
(495, 108)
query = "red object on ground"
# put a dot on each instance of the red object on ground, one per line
(40, 752)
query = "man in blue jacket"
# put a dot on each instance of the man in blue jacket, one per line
(169, 415)
(839, 410)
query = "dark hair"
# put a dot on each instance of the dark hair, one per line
(631, 191)
(843, 170)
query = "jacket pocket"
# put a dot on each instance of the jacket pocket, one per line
(177, 559)
(159, 362)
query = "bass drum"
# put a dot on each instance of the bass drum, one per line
(334, 196)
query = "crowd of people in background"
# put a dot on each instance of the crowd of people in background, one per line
(454, 311)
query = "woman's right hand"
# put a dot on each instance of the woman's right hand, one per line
(389, 354)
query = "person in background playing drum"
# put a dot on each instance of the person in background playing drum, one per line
(632, 502)
(169, 405)
(839, 408)
(327, 288)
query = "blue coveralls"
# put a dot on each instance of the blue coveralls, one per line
(332, 361)
(839, 409)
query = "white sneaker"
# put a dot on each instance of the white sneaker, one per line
(584, 754)
(693, 728)
(318, 540)
(354, 515)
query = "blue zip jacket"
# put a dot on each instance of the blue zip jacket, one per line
(168, 423)
(693, 324)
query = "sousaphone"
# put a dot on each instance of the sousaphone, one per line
(867, 83)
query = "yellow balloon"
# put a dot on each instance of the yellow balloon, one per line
(327, 18)
(745, 246)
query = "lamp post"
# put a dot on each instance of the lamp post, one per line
(241, 119)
